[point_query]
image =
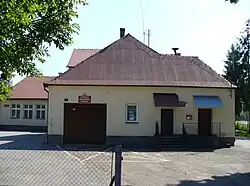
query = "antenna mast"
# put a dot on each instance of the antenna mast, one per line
(143, 28)
(149, 37)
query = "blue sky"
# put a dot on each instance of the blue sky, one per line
(204, 28)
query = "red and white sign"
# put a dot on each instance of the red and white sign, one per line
(84, 99)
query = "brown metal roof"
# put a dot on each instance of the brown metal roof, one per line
(128, 62)
(80, 55)
(30, 88)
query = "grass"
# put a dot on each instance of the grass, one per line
(241, 129)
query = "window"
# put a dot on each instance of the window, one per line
(28, 111)
(40, 111)
(131, 113)
(15, 111)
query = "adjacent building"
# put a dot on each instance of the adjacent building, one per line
(26, 109)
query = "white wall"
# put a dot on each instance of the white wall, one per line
(5, 113)
(117, 97)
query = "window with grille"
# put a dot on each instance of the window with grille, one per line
(28, 111)
(132, 113)
(15, 111)
(40, 111)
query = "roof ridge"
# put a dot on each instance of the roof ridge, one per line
(136, 41)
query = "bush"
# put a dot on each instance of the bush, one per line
(241, 129)
(241, 126)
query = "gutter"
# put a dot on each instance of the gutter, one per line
(46, 90)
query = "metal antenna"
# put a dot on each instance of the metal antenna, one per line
(142, 15)
(148, 37)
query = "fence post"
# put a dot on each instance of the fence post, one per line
(118, 165)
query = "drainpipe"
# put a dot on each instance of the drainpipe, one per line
(44, 87)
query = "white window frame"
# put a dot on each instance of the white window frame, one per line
(15, 109)
(41, 110)
(137, 113)
(28, 109)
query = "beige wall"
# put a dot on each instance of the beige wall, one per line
(5, 113)
(117, 97)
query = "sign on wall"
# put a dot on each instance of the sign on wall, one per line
(189, 117)
(84, 98)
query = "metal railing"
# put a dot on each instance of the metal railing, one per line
(192, 129)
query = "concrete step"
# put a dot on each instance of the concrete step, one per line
(171, 143)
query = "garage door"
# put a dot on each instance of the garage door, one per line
(84, 123)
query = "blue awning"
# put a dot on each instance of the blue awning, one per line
(207, 101)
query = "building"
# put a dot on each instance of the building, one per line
(26, 109)
(128, 93)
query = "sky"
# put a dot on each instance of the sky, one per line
(203, 28)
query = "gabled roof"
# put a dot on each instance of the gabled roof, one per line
(80, 55)
(30, 88)
(128, 62)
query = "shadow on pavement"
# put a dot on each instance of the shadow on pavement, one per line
(32, 141)
(169, 150)
(241, 179)
(38, 141)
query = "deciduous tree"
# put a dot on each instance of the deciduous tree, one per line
(233, 1)
(28, 28)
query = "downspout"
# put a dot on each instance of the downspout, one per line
(44, 87)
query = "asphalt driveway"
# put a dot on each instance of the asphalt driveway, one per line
(26, 160)
(224, 167)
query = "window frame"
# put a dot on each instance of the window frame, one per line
(15, 109)
(137, 113)
(41, 109)
(28, 109)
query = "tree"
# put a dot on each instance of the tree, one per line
(233, 1)
(237, 70)
(234, 72)
(28, 28)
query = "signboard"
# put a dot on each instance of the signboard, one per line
(84, 99)
(189, 117)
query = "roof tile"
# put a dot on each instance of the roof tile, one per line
(80, 55)
(129, 62)
(30, 88)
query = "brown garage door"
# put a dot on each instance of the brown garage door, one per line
(84, 123)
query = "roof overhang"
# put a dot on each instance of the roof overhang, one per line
(134, 85)
(167, 100)
(204, 101)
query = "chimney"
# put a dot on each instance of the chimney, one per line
(122, 32)
(175, 51)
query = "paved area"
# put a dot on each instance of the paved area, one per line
(26, 160)
(224, 167)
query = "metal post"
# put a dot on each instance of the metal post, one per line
(118, 165)
(148, 37)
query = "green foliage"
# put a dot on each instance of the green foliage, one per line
(240, 126)
(234, 70)
(241, 133)
(241, 129)
(28, 28)
(233, 1)
(237, 70)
